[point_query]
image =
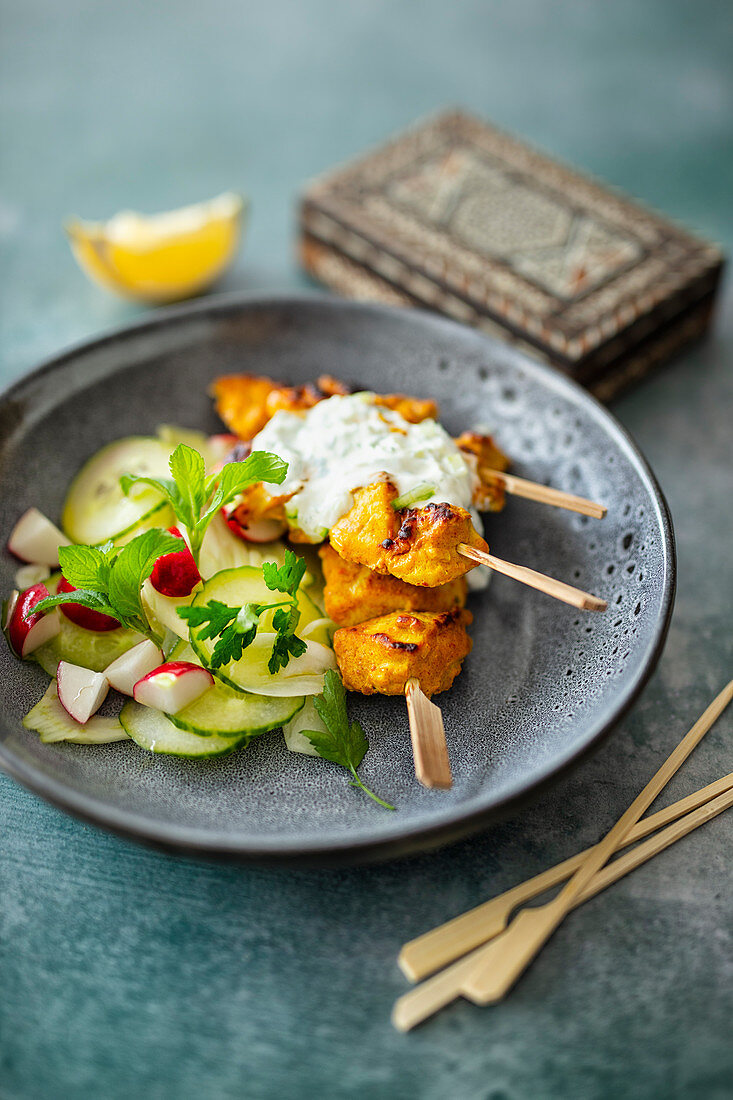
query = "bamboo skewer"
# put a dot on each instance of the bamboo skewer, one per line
(429, 749)
(437, 992)
(543, 494)
(440, 946)
(551, 587)
(510, 954)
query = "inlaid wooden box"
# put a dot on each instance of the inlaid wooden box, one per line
(456, 216)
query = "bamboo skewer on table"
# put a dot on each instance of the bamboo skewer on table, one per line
(508, 956)
(437, 992)
(450, 941)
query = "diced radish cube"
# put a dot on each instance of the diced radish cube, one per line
(26, 629)
(172, 686)
(175, 574)
(35, 539)
(125, 671)
(81, 691)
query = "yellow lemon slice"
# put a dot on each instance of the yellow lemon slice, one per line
(163, 257)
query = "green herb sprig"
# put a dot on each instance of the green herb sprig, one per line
(343, 742)
(235, 627)
(108, 578)
(196, 498)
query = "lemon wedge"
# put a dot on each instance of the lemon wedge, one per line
(163, 257)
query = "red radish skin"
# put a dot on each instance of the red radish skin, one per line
(35, 539)
(84, 616)
(125, 671)
(26, 629)
(175, 574)
(172, 686)
(81, 692)
(260, 530)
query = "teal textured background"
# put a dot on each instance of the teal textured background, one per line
(128, 973)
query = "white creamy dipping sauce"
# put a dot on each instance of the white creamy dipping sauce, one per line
(345, 443)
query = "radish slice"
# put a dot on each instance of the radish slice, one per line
(172, 686)
(29, 575)
(26, 629)
(132, 666)
(81, 691)
(84, 616)
(35, 539)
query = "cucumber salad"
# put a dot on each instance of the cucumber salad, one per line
(147, 604)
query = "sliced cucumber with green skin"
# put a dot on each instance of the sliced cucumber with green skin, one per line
(222, 711)
(222, 549)
(302, 676)
(96, 509)
(152, 730)
(49, 719)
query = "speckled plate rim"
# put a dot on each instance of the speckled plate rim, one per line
(336, 848)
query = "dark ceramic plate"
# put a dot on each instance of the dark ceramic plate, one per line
(544, 682)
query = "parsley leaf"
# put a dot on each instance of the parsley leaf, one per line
(342, 742)
(235, 628)
(286, 577)
(196, 498)
(109, 578)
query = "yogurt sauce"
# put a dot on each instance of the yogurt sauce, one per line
(344, 443)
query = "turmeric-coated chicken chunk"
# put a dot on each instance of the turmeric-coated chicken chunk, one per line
(246, 402)
(354, 593)
(487, 460)
(417, 545)
(379, 656)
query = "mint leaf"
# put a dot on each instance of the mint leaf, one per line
(189, 473)
(85, 567)
(133, 565)
(342, 742)
(85, 597)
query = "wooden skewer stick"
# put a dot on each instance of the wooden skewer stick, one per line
(508, 956)
(429, 749)
(551, 587)
(437, 992)
(450, 941)
(543, 494)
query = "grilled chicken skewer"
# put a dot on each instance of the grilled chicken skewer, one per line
(395, 638)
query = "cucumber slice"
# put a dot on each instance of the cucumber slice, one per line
(163, 610)
(222, 711)
(49, 719)
(171, 436)
(96, 509)
(307, 718)
(301, 676)
(237, 587)
(152, 730)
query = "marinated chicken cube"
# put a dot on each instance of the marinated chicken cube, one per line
(417, 545)
(379, 656)
(354, 593)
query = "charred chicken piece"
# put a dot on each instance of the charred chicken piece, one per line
(354, 593)
(484, 456)
(417, 545)
(246, 402)
(379, 656)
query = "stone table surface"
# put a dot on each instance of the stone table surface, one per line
(124, 972)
